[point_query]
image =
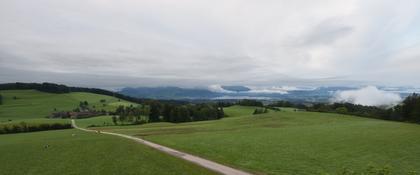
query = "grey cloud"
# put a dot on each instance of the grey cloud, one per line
(327, 32)
(197, 43)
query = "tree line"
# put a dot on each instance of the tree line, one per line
(407, 111)
(166, 112)
(130, 114)
(248, 102)
(59, 88)
(27, 127)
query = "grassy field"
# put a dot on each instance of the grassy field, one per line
(289, 142)
(283, 142)
(239, 111)
(84, 153)
(72, 151)
(98, 121)
(34, 104)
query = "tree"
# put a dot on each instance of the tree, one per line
(282, 104)
(84, 105)
(341, 110)
(167, 115)
(183, 114)
(114, 120)
(260, 111)
(154, 112)
(411, 108)
(220, 113)
(247, 102)
(120, 111)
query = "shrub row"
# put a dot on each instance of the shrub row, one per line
(25, 127)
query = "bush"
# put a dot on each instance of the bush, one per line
(140, 121)
(24, 127)
(341, 110)
(260, 111)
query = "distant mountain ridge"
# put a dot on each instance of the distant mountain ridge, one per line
(169, 92)
(233, 92)
(236, 88)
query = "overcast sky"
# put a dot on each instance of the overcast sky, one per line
(198, 43)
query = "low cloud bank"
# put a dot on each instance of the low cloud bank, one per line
(218, 88)
(240, 97)
(279, 89)
(260, 89)
(268, 90)
(370, 96)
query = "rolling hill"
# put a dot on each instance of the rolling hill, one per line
(284, 142)
(26, 104)
(76, 152)
(72, 151)
(291, 142)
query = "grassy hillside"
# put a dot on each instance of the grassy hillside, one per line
(84, 153)
(98, 121)
(235, 111)
(25, 104)
(289, 142)
(284, 142)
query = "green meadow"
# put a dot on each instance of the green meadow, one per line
(76, 152)
(289, 142)
(98, 121)
(26, 104)
(72, 151)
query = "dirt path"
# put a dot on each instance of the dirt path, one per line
(194, 159)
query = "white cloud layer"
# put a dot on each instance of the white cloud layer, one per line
(206, 42)
(218, 88)
(370, 96)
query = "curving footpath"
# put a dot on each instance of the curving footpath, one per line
(194, 159)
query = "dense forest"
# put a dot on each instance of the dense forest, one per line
(164, 112)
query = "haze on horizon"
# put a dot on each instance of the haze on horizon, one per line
(105, 43)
